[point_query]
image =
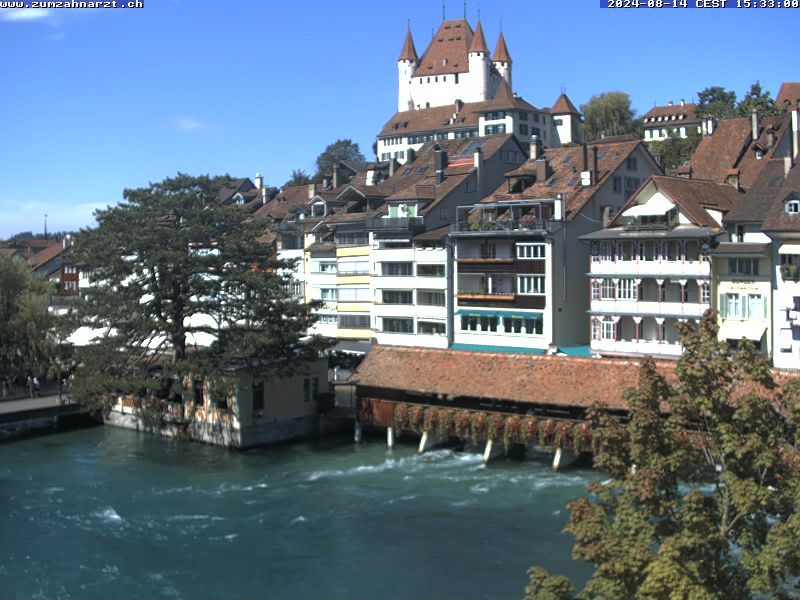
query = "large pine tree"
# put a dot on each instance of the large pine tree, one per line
(182, 288)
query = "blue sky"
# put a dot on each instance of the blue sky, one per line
(96, 101)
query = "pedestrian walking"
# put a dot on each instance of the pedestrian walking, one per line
(29, 385)
(35, 387)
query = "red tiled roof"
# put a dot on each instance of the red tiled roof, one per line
(566, 164)
(731, 146)
(564, 106)
(447, 52)
(287, 200)
(689, 112)
(409, 52)
(534, 379)
(479, 41)
(45, 256)
(776, 218)
(501, 53)
(692, 196)
(789, 92)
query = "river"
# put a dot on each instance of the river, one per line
(109, 513)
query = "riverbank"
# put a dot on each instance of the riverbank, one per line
(106, 512)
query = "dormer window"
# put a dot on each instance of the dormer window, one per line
(759, 154)
(793, 207)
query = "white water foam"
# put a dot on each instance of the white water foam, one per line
(194, 518)
(300, 519)
(109, 515)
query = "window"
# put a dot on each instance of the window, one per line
(631, 185)
(495, 129)
(530, 285)
(354, 268)
(733, 306)
(617, 183)
(327, 267)
(608, 290)
(471, 184)
(509, 156)
(743, 266)
(790, 259)
(352, 238)
(756, 307)
(608, 329)
(392, 325)
(430, 298)
(793, 207)
(596, 331)
(431, 328)
(396, 269)
(595, 290)
(353, 294)
(443, 212)
(326, 319)
(530, 251)
(398, 297)
(523, 129)
(310, 388)
(327, 294)
(523, 116)
(558, 122)
(354, 321)
(430, 270)
(197, 389)
(258, 397)
(626, 289)
(705, 293)
(469, 323)
(489, 324)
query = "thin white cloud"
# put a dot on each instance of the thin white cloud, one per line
(25, 14)
(188, 124)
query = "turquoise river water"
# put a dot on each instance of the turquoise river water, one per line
(111, 514)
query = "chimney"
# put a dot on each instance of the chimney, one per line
(326, 182)
(478, 160)
(670, 103)
(259, 181)
(335, 176)
(440, 162)
(586, 174)
(459, 106)
(770, 137)
(754, 124)
(703, 128)
(312, 190)
(709, 125)
(787, 165)
(559, 207)
(411, 154)
(67, 241)
(391, 167)
(536, 147)
(733, 178)
(595, 166)
(542, 169)
(795, 132)
(264, 197)
(370, 177)
(683, 102)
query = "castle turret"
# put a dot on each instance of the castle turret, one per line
(502, 59)
(406, 67)
(479, 64)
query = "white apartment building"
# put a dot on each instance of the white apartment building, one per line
(650, 269)
(672, 120)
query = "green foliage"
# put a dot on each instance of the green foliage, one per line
(339, 150)
(182, 289)
(26, 337)
(674, 151)
(717, 102)
(704, 484)
(759, 100)
(299, 177)
(609, 113)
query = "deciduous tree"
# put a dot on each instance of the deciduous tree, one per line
(339, 150)
(675, 150)
(704, 484)
(26, 336)
(760, 100)
(717, 102)
(609, 113)
(182, 288)
(299, 177)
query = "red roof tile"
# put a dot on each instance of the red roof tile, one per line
(409, 52)
(447, 52)
(479, 41)
(564, 106)
(501, 53)
(789, 92)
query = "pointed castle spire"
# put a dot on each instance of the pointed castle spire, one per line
(409, 52)
(501, 53)
(479, 41)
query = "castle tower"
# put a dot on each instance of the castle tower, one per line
(502, 59)
(406, 67)
(479, 65)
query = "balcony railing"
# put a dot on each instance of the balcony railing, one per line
(790, 272)
(394, 223)
(636, 224)
(543, 225)
(485, 295)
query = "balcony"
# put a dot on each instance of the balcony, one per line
(486, 295)
(669, 221)
(395, 224)
(652, 268)
(651, 347)
(689, 310)
(794, 317)
(500, 226)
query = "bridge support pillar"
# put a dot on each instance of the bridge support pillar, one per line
(357, 433)
(390, 437)
(428, 441)
(563, 458)
(492, 451)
